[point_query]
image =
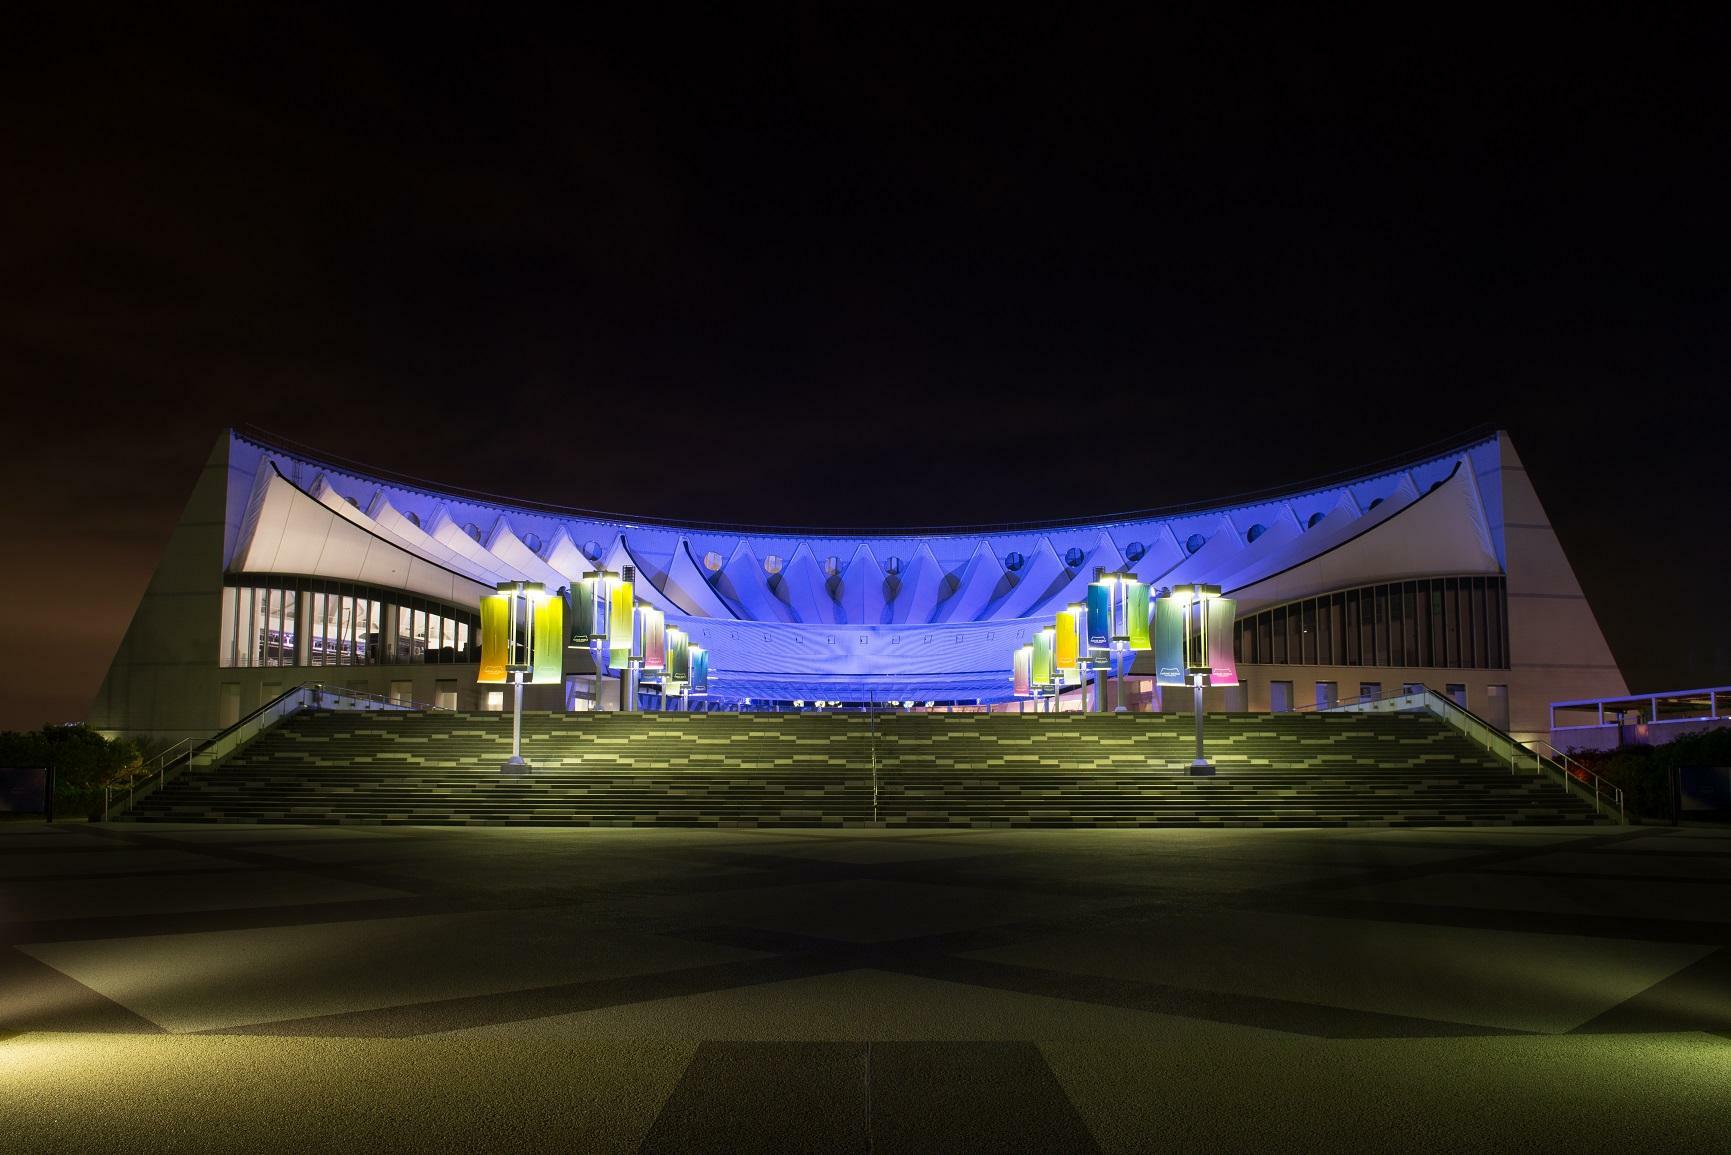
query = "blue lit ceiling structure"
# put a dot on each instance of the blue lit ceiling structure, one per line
(921, 615)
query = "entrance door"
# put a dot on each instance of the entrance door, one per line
(1327, 694)
(1279, 697)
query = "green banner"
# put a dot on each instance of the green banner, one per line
(1042, 674)
(1169, 643)
(547, 665)
(1136, 611)
(585, 626)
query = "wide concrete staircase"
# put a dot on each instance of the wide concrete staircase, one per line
(928, 770)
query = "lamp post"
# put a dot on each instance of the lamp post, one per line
(1022, 672)
(1193, 623)
(1118, 618)
(522, 641)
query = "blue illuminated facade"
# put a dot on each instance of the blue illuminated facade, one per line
(380, 578)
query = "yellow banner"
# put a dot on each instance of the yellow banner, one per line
(621, 618)
(495, 640)
(1068, 655)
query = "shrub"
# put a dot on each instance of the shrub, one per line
(83, 761)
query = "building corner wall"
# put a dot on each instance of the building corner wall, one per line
(163, 681)
(1556, 649)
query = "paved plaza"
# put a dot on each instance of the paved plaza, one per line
(237, 988)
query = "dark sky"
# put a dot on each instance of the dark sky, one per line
(849, 269)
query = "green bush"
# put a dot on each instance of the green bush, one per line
(1643, 773)
(83, 762)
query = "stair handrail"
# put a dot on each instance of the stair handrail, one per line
(1570, 773)
(155, 773)
(1572, 768)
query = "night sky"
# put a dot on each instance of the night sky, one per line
(849, 269)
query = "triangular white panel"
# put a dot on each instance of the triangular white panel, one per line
(1267, 553)
(1042, 575)
(1445, 532)
(980, 582)
(1219, 555)
(861, 600)
(688, 588)
(617, 557)
(449, 534)
(294, 533)
(743, 581)
(922, 584)
(504, 544)
(804, 586)
(1164, 552)
(1104, 556)
(564, 556)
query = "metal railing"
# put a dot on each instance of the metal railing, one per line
(213, 749)
(1574, 777)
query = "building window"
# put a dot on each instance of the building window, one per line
(1458, 623)
(345, 625)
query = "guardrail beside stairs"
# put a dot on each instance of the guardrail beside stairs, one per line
(1574, 777)
(211, 751)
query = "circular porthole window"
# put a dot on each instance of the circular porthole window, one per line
(1195, 542)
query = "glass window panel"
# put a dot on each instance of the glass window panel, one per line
(1280, 634)
(1353, 637)
(1307, 651)
(463, 641)
(1382, 625)
(1409, 624)
(1265, 636)
(418, 647)
(1451, 622)
(1396, 634)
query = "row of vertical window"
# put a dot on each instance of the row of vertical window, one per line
(294, 621)
(1451, 623)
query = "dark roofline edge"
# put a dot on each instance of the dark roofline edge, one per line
(1424, 454)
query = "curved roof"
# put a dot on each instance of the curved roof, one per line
(885, 588)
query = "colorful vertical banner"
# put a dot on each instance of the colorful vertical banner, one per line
(678, 655)
(1136, 614)
(587, 621)
(651, 645)
(1222, 616)
(1022, 672)
(547, 663)
(1099, 615)
(621, 623)
(1068, 656)
(699, 670)
(495, 637)
(1169, 629)
(1042, 675)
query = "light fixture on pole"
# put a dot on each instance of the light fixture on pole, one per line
(522, 642)
(648, 646)
(592, 622)
(1118, 620)
(1046, 673)
(1022, 672)
(1193, 646)
(1076, 655)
